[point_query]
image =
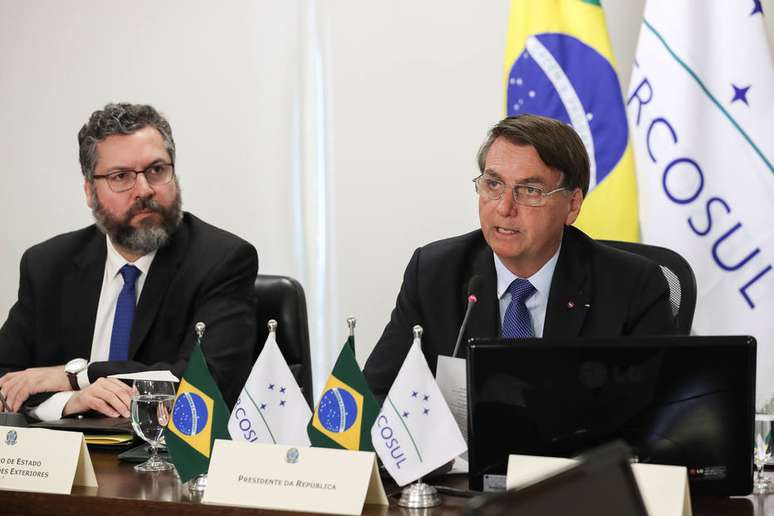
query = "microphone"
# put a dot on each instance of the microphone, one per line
(473, 286)
(8, 418)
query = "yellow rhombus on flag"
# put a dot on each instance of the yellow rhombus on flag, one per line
(189, 395)
(558, 63)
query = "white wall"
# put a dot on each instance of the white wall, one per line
(386, 132)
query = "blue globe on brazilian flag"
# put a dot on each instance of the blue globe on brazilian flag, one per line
(559, 63)
(199, 416)
(191, 419)
(347, 409)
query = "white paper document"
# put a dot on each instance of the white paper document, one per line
(452, 378)
(157, 376)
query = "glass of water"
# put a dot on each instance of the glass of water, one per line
(764, 439)
(151, 408)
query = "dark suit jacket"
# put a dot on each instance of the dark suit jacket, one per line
(596, 291)
(202, 274)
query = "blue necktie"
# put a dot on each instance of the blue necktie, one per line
(122, 322)
(517, 322)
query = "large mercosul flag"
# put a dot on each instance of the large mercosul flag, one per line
(347, 408)
(199, 416)
(415, 432)
(271, 408)
(558, 63)
(701, 109)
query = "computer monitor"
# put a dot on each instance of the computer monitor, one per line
(675, 400)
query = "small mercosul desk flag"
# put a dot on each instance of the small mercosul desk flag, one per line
(347, 407)
(271, 408)
(415, 432)
(199, 416)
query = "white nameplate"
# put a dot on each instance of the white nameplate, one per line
(44, 461)
(293, 478)
(664, 489)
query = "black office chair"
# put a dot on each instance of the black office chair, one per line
(679, 276)
(282, 298)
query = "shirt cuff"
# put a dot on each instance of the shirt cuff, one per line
(83, 378)
(52, 408)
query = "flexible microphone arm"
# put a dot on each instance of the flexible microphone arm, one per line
(472, 300)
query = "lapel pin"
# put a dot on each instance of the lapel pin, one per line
(587, 305)
(570, 304)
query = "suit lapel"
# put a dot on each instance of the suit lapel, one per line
(485, 317)
(81, 289)
(162, 270)
(570, 295)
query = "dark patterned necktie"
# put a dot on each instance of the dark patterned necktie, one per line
(517, 321)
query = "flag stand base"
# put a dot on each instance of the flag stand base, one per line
(197, 484)
(419, 496)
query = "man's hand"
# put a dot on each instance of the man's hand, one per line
(108, 396)
(20, 385)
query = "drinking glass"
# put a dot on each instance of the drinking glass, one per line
(764, 424)
(152, 402)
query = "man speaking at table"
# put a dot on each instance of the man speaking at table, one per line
(536, 274)
(124, 294)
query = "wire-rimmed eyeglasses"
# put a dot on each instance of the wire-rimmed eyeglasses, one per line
(493, 189)
(157, 174)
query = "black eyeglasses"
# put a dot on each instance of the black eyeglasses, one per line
(157, 174)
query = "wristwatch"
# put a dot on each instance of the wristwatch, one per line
(72, 368)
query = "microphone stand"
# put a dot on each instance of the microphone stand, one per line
(472, 300)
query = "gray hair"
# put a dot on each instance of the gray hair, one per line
(120, 118)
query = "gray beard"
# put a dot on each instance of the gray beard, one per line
(150, 236)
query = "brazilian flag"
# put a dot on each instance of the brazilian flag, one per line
(559, 63)
(199, 416)
(347, 409)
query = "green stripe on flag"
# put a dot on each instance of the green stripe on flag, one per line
(268, 428)
(400, 417)
(709, 95)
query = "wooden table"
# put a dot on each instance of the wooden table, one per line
(122, 491)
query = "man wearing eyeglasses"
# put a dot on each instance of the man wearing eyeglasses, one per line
(538, 275)
(123, 295)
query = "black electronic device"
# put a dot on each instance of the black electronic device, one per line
(601, 482)
(682, 400)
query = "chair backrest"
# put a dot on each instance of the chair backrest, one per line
(282, 298)
(678, 274)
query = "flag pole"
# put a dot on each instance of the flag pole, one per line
(419, 495)
(351, 323)
(198, 484)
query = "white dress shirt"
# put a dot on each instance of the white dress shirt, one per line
(538, 301)
(112, 283)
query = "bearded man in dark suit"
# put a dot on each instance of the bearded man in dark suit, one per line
(539, 276)
(124, 294)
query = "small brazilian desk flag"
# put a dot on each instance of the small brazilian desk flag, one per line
(199, 416)
(347, 409)
(559, 63)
